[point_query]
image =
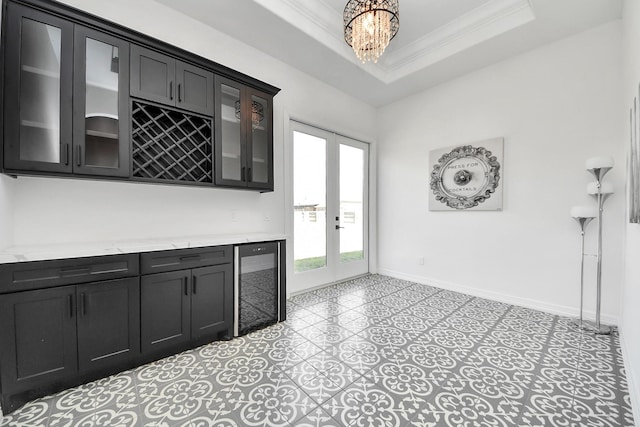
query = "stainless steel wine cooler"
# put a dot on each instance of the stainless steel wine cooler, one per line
(259, 286)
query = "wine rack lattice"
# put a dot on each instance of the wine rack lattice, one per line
(170, 145)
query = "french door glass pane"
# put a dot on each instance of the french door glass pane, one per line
(351, 203)
(231, 154)
(260, 140)
(101, 115)
(40, 51)
(310, 202)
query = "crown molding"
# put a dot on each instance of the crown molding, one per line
(483, 23)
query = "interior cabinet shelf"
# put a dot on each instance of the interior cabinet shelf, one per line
(40, 71)
(106, 135)
(38, 125)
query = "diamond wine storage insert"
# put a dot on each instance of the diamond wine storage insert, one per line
(170, 145)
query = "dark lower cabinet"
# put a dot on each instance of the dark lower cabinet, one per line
(212, 302)
(57, 331)
(186, 306)
(37, 338)
(165, 306)
(108, 323)
(57, 336)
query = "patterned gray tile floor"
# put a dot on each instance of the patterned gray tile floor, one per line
(374, 352)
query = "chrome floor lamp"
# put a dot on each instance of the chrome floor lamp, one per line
(584, 215)
(601, 191)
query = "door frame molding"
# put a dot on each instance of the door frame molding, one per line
(288, 194)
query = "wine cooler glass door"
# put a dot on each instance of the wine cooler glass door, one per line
(257, 291)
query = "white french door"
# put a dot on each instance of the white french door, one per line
(330, 207)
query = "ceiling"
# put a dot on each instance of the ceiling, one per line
(438, 40)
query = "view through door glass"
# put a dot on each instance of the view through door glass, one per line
(309, 202)
(351, 203)
(330, 187)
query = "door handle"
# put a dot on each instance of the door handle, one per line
(193, 285)
(243, 173)
(249, 176)
(78, 154)
(66, 154)
(83, 304)
(186, 286)
(338, 227)
(171, 90)
(179, 92)
(70, 302)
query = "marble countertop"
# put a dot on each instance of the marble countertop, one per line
(76, 250)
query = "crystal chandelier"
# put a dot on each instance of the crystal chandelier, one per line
(369, 26)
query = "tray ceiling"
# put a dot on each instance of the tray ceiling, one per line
(438, 39)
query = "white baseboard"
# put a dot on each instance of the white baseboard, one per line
(632, 377)
(547, 307)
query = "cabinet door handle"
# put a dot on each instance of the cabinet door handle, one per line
(193, 285)
(83, 304)
(242, 177)
(249, 175)
(179, 92)
(171, 90)
(71, 272)
(78, 154)
(66, 154)
(186, 286)
(70, 303)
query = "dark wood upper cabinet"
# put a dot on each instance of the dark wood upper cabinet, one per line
(101, 93)
(152, 75)
(38, 91)
(160, 78)
(83, 97)
(244, 136)
(66, 96)
(195, 88)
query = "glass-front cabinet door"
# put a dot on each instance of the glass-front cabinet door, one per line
(244, 138)
(259, 144)
(38, 91)
(230, 149)
(101, 88)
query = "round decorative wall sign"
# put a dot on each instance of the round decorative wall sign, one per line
(465, 177)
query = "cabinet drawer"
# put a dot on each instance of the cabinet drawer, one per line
(23, 276)
(180, 259)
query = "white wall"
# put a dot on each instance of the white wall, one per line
(555, 106)
(62, 210)
(630, 324)
(6, 212)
